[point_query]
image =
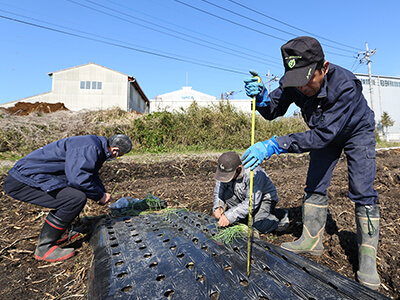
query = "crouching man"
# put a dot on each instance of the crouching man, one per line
(231, 196)
(61, 176)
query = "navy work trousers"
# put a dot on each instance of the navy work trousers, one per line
(67, 202)
(359, 148)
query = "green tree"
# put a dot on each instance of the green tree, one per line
(386, 120)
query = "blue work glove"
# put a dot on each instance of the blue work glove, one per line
(256, 89)
(256, 153)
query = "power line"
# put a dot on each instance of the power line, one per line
(124, 47)
(248, 56)
(247, 27)
(190, 29)
(291, 26)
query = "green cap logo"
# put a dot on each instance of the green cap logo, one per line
(291, 63)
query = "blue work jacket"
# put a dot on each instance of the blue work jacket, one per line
(73, 161)
(334, 114)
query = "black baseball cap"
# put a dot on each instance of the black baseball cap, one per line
(300, 58)
(228, 163)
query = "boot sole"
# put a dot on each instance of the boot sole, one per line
(312, 252)
(56, 259)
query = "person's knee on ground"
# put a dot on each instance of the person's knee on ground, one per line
(367, 220)
(315, 207)
(47, 248)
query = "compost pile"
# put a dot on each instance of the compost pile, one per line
(187, 182)
(24, 108)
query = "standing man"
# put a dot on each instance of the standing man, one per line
(231, 196)
(335, 110)
(61, 176)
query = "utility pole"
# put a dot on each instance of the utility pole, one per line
(366, 57)
(274, 78)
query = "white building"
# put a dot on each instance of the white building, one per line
(182, 99)
(92, 87)
(385, 98)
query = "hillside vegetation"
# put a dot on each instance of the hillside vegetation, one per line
(213, 128)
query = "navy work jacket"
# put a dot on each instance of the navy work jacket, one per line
(73, 161)
(334, 114)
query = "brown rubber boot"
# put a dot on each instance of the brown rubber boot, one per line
(367, 219)
(315, 208)
(47, 248)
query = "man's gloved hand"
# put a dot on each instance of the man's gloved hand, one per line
(256, 89)
(256, 153)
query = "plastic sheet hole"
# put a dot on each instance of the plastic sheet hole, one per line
(169, 293)
(190, 266)
(160, 277)
(135, 234)
(118, 263)
(126, 289)
(116, 253)
(180, 229)
(244, 282)
(166, 240)
(214, 296)
(156, 229)
(266, 269)
(142, 248)
(111, 232)
(195, 240)
(113, 238)
(185, 217)
(147, 255)
(138, 241)
(236, 249)
(180, 255)
(288, 284)
(204, 247)
(173, 247)
(205, 230)
(121, 275)
(227, 268)
(154, 264)
(160, 234)
(201, 278)
(110, 227)
(114, 245)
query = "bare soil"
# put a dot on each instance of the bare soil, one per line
(188, 182)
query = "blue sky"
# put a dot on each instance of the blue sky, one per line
(166, 44)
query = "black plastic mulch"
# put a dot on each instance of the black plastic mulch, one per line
(173, 256)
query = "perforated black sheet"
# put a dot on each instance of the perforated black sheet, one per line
(157, 256)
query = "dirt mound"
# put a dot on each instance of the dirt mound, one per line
(24, 108)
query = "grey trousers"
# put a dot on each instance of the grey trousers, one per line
(265, 218)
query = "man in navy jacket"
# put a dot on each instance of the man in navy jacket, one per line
(339, 119)
(61, 176)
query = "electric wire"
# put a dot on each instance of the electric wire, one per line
(169, 34)
(291, 26)
(244, 26)
(122, 46)
(191, 29)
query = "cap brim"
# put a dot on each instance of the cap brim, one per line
(224, 176)
(298, 76)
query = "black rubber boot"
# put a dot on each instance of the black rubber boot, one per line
(315, 208)
(367, 218)
(47, 248)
